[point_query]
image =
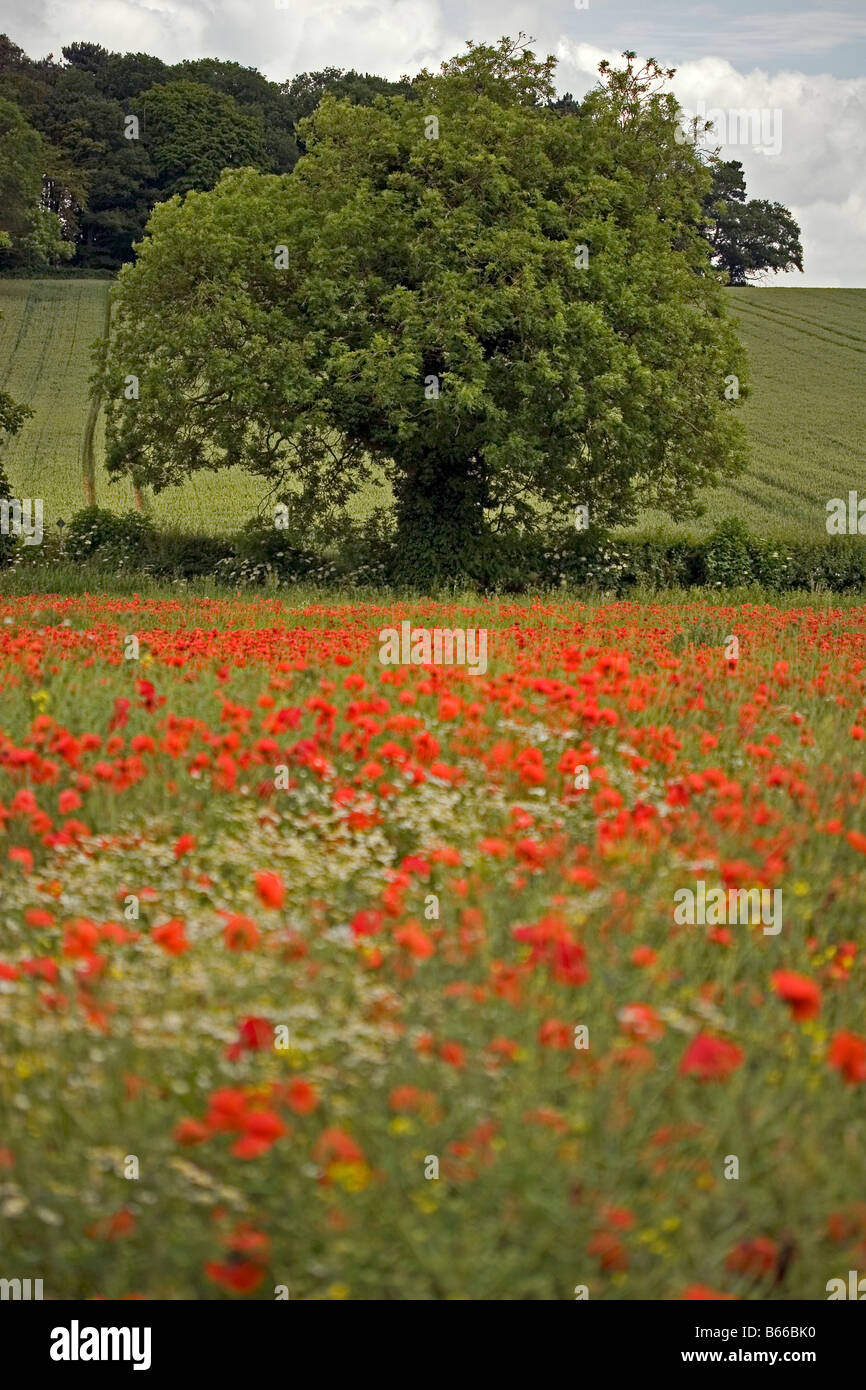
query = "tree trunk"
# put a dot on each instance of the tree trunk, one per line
(440, 519)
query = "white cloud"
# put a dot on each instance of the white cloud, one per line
(383, 36)
(168, 28)
(812, 31)
(820, 171)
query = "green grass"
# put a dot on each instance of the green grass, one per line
(806, 416)
(46, 330)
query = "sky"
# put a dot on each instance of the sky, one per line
(798, 65)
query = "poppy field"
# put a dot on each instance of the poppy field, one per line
(326, 978)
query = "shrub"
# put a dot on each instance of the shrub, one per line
(95, 533)
(727, 556)
(367, 554)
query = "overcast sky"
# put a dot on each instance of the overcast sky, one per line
(798, 62)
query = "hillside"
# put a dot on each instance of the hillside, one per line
(47, 328)
(806, 416)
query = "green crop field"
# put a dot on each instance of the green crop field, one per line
(806, 416)
(47, 328)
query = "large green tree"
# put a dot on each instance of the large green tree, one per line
(507, 310)
(193, 132)
(32, 233)
(747, 236)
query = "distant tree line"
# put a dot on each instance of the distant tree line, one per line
(91, 143)
(69, 151)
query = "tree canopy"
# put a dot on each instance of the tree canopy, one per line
(30, 231)
(193, 133)
(747, 236)
(102, 185)
(505, 309)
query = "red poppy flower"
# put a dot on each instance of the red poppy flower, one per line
(453, 1054)
(122, 1223)
(610, 1252)
(241, 934)
(848, 1055)
(405, 1098)
(301, 1096)
(38, 917)
(702, 1292)
(337, 1144)
(415, 940)
(641, 1021)
(79, 939)
(246, 1240)
(271, 889)
(189, 1132)
(171, 936)
(554, 1033)
(43, 967)
(227, 1110)
(755, 1258)
(255, 1035)
(710, 1059)
(367, 922)
(803, 995)
(262, 1128)
(239, 1276)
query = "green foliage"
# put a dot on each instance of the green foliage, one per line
(258, 98)
(102, 185)
(452, 260)
(729, 559)
(304, 93)
(21, 158)
(44, 245)
(31, 233)
(133, 543)
(193, 133)
(747, 237)
(93, 529)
